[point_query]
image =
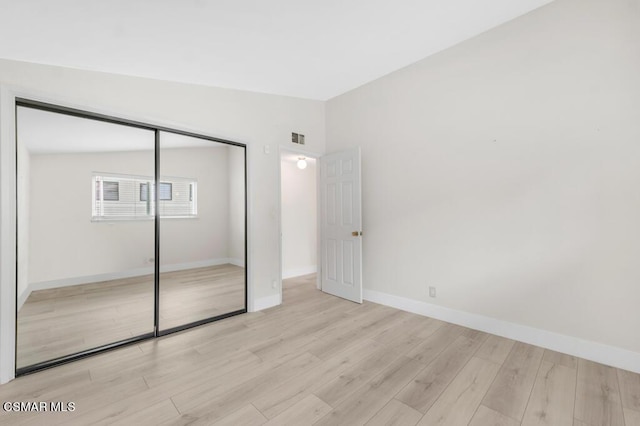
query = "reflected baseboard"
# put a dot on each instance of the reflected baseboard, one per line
(131, 273)
(197, 264)
(236, 261)
(22, 297)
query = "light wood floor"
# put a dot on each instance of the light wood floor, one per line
(321, 360)
(61, 321)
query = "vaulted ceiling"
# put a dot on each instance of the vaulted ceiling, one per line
(314, 49)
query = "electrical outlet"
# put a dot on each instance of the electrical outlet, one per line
(432, 292)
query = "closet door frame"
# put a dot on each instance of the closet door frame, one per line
(45, 106)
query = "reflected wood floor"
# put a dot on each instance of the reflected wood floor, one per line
(321, 360)
(65, 320)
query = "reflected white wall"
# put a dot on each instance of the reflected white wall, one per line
(204, 238)
(236, 205)
(64, 243)
(23, 196)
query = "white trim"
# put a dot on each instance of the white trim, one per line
(7, 234)
(236, 261)
(249, 244)
(318, 227)
(88, 279)
(266, 302)
(109, 276)
(296, 272)
(197, 264)
(598, 352)
(22, 297)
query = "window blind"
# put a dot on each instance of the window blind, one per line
(129, 197)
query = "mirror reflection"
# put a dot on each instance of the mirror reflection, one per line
(85, 242)
(201, 228)
(86, 226)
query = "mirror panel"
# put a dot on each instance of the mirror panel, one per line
(108, 252)
(85, 234)
(202, 230)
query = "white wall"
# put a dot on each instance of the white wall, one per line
(299, 218)
(505, 172)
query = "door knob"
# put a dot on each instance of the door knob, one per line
(356, 233)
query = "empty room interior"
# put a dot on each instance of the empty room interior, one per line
(320, 213)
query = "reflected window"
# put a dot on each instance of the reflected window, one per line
(128, 197)
(107, 190)
(166, 191)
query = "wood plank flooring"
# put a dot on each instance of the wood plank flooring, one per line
(65, 320)
(321, 360)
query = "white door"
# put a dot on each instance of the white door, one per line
(341, 224)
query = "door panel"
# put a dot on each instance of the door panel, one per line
(347, 203)
(124, 232)
(202, 253)
(347, 263)
(341, 223)
(85, 239)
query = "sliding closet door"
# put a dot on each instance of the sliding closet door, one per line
(86, 235)
(201, 202)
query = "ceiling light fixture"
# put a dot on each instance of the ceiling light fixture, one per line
(302, 163)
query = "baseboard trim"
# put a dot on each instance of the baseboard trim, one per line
(24, 296)
(236, 261)
(593, 351)
(266, 302)
(131, 273)
(296, 272)
(197, 264)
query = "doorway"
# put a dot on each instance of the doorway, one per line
(299, 216)
(125, 231)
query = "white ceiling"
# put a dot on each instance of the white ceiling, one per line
(44, 132)
(303, 48)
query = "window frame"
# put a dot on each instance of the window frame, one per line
(98, 205)
(153, 187)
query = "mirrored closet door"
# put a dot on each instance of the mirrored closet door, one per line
(85, 236)
(125, 232)
(202, 230)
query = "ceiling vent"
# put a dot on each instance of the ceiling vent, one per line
(297, 138)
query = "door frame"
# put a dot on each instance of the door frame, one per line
(316, 156)
(10, 96)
